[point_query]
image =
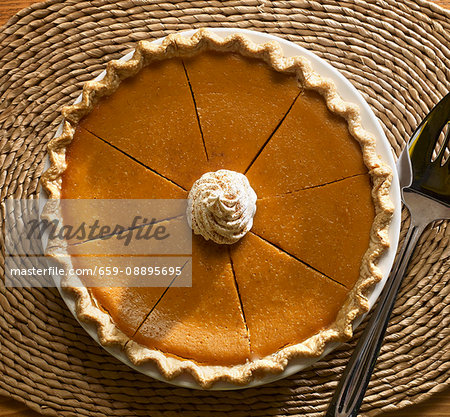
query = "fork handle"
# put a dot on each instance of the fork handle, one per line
(352, 387)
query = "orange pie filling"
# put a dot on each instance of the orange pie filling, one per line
(286, 278)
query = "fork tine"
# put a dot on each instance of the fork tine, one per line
(424, 139)
(445, 144)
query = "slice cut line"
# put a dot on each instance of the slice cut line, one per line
(314, 186)
(161, 297)
(196, 110)
(112, 177)
(279, 292)
(239, 105)
(203, 323)
(135, 160)
(238, 293)
(130, 303)
(296, 259)
(153, 113)
(326, 227)
(271, 135)
(127, 306)
(311, 147)
(112, 174)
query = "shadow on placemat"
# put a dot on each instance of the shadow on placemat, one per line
(396, 54)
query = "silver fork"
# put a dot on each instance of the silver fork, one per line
(426, 193)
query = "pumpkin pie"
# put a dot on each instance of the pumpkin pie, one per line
(288, 204)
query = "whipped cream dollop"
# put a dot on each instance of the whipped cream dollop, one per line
(221, 206)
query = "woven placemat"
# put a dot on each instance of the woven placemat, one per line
(396, 53)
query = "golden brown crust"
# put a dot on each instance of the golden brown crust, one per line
(356, 304)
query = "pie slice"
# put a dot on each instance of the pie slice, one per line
(204, 322)
(239, 106)
(312, 147)
(327, 227)
(126, 305)
(152, 118)
(279, 292)
(99, 171)
(114, 274)
(101, 176)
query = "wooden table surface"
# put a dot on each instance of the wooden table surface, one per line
(437, 406)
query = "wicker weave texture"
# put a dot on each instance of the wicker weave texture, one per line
(397, 55)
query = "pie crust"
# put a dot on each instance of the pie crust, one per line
(176, 45)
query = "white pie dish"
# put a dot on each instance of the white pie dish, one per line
(370, 123)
